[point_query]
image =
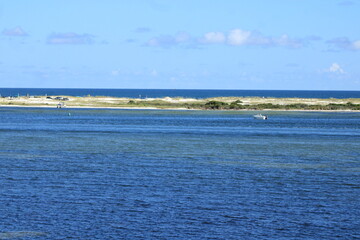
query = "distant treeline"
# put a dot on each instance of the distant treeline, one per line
(238, 105)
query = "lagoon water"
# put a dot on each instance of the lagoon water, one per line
(157, 174)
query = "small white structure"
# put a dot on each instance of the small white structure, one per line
(260, 116)
(61, 105)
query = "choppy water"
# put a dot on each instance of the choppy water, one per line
(134, 174)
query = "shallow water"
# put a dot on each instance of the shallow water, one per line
(151, 174)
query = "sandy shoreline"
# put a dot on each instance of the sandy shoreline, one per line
(180, 109)
(170, 103)
(83, 107)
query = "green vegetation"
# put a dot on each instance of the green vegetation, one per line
(216, 105)
(219, 105)
(238, 105)
(269, 106)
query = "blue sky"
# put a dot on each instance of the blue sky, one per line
(181, 44)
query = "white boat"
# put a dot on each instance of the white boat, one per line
(260, 116)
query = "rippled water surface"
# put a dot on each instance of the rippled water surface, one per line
(134, 174)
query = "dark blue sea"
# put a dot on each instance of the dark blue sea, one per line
(160, 93)
(160, 174)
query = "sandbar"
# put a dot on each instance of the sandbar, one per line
(178, 103)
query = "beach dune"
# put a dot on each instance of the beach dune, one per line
(244, 103)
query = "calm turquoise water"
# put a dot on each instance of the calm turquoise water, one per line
(135, 174)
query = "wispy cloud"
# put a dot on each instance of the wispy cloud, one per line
(213, 37)
(235, 37)
(345, 44)
(170, 40)
(70, 38)
(239, 37)
(356, 45)
(14, 32)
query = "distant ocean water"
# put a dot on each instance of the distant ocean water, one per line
(159, 93)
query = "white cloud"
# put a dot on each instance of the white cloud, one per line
(335, 68)
(238, 37)
(235, 37)
(214, 37)
(14, 32)
(286, 41)
(162, 41)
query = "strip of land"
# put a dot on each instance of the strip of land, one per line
(219, 103)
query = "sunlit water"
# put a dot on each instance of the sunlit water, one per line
(134, 174)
